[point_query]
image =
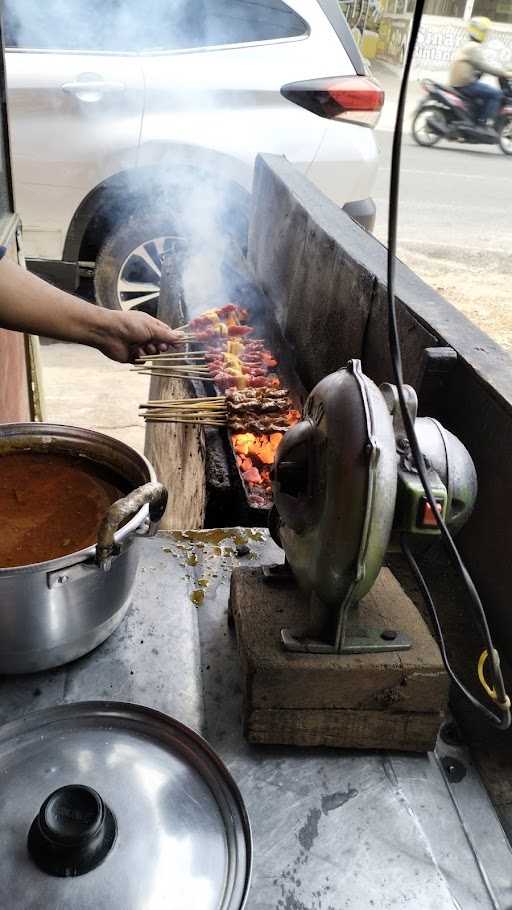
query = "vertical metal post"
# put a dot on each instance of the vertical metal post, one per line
(468, 10)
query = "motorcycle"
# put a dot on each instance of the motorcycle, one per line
(447, 114)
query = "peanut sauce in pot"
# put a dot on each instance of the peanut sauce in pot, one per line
(51, 505)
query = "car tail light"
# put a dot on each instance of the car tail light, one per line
(356, 99)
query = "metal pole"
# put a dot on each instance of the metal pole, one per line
(468, 10)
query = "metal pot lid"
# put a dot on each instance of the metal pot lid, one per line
(111, 805)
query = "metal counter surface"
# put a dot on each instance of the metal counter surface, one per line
(332, 829)
(151, 659)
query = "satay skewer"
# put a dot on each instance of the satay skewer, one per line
(185, 400)
(194, 367)
(195, 422)
(209, 411)
(184, 418)
(192, 418)
(200, 408)
(175, 374)
(211, 402)
(171, 362)
(175, 355)
(187, 337)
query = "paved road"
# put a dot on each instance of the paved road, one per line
(455, 226)
(457, 198)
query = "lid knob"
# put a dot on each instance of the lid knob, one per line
(72, 833)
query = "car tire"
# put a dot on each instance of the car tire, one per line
(130, 256)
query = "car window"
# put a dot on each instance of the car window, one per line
(137, 25)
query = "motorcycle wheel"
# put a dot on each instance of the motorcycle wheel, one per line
(420, 125)
(505, 136)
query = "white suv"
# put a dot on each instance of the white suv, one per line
(135, 121)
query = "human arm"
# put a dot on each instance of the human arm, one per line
(29, 304)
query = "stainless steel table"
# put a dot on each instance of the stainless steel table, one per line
(332, 830)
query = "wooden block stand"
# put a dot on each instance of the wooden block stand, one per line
(387, 700)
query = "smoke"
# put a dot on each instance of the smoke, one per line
(203, 212)
(204, 221)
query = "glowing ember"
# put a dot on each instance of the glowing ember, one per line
(254, 456)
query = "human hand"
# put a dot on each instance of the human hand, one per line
(124, 336)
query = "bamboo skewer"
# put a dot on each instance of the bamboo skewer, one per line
(174, 374)
(175, 362)
(219, 398)
(201, 415)
(215, 415)
(170, 361)
(159, 354)
(200, 406)
(183, 361)
(171, 365)
(188, 404)
(186, 337)
(174, 418)
(184, 410)
(218, 418)
(177, 355)
(195, 422)
(206, 411)
(159, 371)
(164, 412)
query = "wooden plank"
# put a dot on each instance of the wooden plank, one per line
(14, 392)
(177, 453)
(286, 695)
(343, 729)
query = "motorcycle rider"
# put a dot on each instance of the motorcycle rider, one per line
(468, 64)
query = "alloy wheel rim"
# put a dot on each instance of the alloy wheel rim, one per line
(138, 281)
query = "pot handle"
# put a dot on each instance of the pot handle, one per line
(154, 494)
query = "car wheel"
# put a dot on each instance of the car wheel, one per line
(129, 264)
(429, 125)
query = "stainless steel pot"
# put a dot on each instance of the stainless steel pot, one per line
(56, 611)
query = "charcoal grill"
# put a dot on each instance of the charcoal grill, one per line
(228, 495)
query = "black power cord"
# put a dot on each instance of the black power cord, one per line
(499, 695)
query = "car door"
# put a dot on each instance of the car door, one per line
(76, 96)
